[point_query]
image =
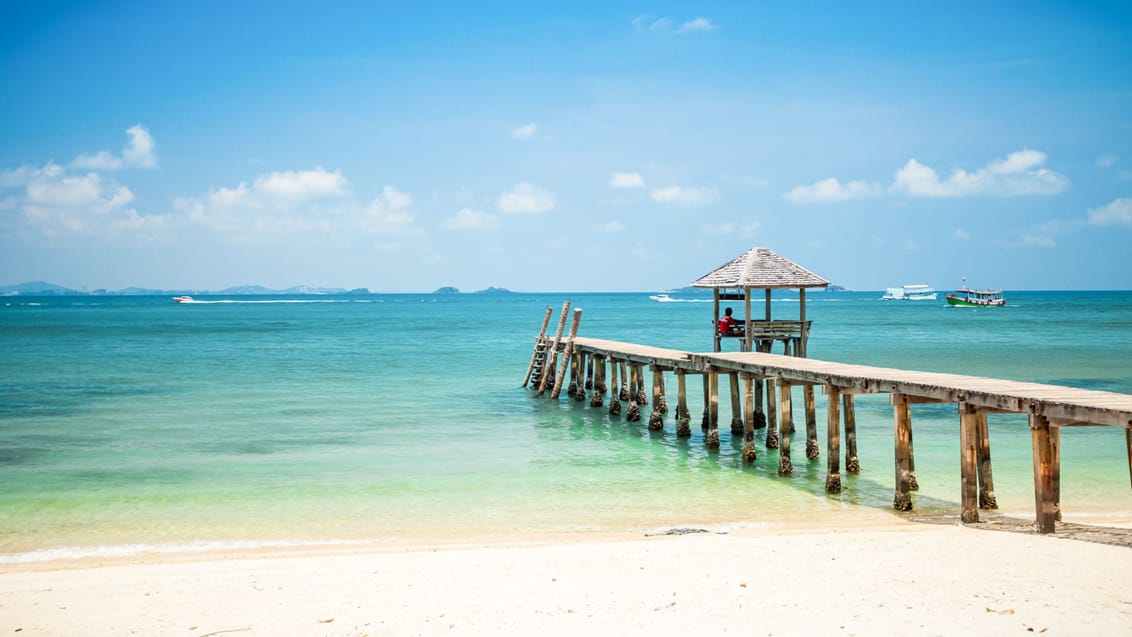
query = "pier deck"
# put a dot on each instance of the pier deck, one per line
(1049, 407)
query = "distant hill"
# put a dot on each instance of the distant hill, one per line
(37, 288)
(494, 290)
(447, 290)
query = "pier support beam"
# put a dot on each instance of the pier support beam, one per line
(736, 413)
(785, 426)
(833, 440)
(598, 395)
(615, 388)
(633, 414)
(1128, 442)
(812, 451)
(683, 416)
(852, 464)
(771, 415)
(711, 440)
(902, 501)
(656, 419)
(1045, 502)
(986, 478)
(761, 411)
(968, 463)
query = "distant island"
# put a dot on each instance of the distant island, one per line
(42, 288)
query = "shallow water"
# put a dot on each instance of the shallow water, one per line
(139, 422)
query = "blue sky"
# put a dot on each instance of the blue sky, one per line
(564, 146)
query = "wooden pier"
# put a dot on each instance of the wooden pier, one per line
(767, 399)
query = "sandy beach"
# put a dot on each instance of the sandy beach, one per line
(898, 578)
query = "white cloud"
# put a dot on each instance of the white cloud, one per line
(302, 184)
(697, 24)
(627, 180)
(961, 234)
(1020, 173)
(395, 199)
(526, 131)
(609, 227)
(526, 198)
(52, 200)
(681, 196)
(139, 152)
(721, 228)
(1118, 212)
(468, 219)
(833, 190)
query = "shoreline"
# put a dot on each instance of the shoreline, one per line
(901, 577)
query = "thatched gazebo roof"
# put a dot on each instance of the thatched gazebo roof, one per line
(760, 268)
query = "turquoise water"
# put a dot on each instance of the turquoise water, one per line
(134, 423)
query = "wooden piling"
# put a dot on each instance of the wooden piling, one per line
(902, 501)
(749, 454)
(623, 392)
(771, 415)
(711, 440)
(1128, 443)
(568, 352)
(633, 414)
(987, 499)
(656, 419)
(1044, 503)
(597, 397)
(614, 395)
(736, 414)
(812, 451)
(683, 417)
(1055, 454)
(785, 426)
(552, 353)
(761, 411)
(589, 374)
(852, 464)
(540, 343)
(833, 440)
(968, 463)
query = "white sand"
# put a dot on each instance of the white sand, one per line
(904, 578)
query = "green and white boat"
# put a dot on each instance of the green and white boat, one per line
(966, 297)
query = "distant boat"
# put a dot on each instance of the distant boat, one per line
(913, 292)
(966, 297)
(663, 298)
(183, 299)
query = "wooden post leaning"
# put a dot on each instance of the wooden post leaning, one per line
(902, 501)
(567, 353)
(785, 426)
(968, 463)
(833, 440)
(1044, 502)
(539, 342)
(552, 351)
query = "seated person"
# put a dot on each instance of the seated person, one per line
(728, 326)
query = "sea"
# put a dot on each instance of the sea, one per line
(134, 425)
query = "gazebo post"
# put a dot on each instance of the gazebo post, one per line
(715, 320)
(747, 331)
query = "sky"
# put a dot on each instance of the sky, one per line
(564, 146)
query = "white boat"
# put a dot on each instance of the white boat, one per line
(183, 299)
(913, 292)
(663, 298)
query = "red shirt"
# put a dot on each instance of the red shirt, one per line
(725, 323)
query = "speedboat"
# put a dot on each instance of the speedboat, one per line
(913, 292)
(663, 298)
(183, 299)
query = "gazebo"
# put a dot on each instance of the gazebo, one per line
(761, 268)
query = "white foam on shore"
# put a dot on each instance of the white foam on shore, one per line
(128, 550)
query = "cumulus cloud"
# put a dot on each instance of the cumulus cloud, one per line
(833, 190)
(526, 198)
(1020, 173)
(139, 152)
(53, 200)
(681, 196)
(627, 180)
(1118, 212)
(298, 185)
(526, 131)
(468, 219)
(696, 24)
